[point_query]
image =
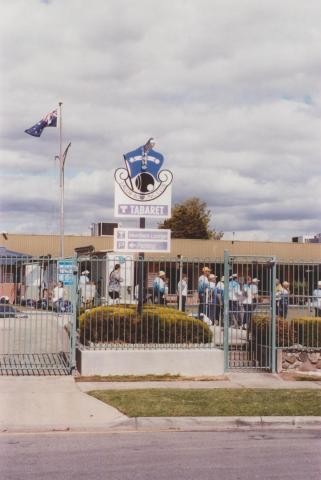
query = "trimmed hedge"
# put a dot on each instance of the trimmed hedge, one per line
(308, 331)
(305, 331)
(156, 324)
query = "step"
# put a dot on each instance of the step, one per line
(239, 354)
(243, 363)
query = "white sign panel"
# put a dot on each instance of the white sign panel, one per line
(150, 240)
(156, 208)
(142, 185)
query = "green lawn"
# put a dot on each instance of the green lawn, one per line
(218, 402)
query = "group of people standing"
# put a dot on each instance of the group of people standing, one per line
(242, 298)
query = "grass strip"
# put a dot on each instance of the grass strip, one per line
(216, 402)
(300, 377)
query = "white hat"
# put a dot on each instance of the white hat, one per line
(234, 275)
(212, 275)
(285, 283)
(161, 273)
(255, 280)
(85, 272)
(319, 283)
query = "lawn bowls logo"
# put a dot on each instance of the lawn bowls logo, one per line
(143, 179)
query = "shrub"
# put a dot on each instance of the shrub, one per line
(156, 324)
(305, 331)
(308, 330)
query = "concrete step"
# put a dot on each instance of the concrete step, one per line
(242, 358)
(243, 363)
(239, 354)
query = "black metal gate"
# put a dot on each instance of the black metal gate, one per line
(249, 312)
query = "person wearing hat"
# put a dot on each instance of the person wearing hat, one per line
(203, 287)
(283, 295)
(235, 296)
(159, 288)
(250, 299)
(317, 300)
(84, 279)
(220, 296)
(213, 300)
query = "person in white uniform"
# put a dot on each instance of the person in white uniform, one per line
(317, 300)
(182, 291)
(250, 298)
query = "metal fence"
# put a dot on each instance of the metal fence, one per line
(37, 315)
(178, 316)
(113, 301)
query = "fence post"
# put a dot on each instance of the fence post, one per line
(226, 309)
(74, 301)
(180, 300)
(273, 320)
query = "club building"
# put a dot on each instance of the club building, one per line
(298, 262)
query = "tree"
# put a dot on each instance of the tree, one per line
(190, 219)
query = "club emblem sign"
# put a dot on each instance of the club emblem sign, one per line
(143, 188)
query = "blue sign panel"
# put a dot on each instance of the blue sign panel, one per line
(66, 272)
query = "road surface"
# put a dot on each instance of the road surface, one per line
(230, 455)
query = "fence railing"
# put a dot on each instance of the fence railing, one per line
(176, 312)
(181, 316)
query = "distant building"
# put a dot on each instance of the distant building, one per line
(102, 229)
(38, 245)
(307, 239)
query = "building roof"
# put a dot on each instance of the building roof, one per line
(38, 245)
(9, 257)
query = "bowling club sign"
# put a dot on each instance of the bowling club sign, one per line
(143, 189)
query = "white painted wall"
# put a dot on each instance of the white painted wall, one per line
(198, 362)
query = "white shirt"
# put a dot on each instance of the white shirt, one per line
(234, 291)
(83, 279)
(250, 292)
(57, 294)
(317, 298)
(220, 285)
(182, 288)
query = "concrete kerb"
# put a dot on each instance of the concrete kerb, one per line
(176, 424)
(224, 423)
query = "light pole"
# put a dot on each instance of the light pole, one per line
(142, 224)
(62, 160)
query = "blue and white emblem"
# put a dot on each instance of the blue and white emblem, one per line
(143, 179)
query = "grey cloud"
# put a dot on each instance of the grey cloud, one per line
(224, 90)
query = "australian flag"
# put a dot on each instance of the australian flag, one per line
(49, 120)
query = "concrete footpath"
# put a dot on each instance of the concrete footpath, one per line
(233, 380)
(49, 404)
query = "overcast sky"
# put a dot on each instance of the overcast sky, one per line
(230, 89)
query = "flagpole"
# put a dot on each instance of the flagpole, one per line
(61, 184)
